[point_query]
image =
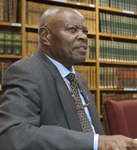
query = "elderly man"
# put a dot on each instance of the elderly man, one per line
(46, 105)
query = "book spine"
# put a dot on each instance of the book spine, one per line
(17, 43)
(8, 42)
(1, 10)
(1, 42)
(14, 7)
(6, 11)
(10, 11)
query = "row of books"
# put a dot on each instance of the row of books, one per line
(130, 5)
(3, 67)
(117, 51)
(118, 97)
(35, 10)
(91, 51)
(88, 73)
(116, 24)
(113, 77)
(8, 10)
(10, 43)
(31, 42)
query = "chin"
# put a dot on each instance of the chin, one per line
(80, 60)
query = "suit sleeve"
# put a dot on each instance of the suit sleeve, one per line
(20, 127)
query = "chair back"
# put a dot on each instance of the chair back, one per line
(120, 117)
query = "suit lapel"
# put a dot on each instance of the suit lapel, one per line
(68, 105)
(65, 96)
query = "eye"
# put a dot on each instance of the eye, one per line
(72, 29)
(85, 31)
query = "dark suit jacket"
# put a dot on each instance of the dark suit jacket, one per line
(37, 111)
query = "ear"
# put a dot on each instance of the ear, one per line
(44, 35)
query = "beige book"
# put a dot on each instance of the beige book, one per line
(93, 21)
(89, 76)
(1, 10)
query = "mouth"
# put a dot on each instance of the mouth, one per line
(81, 48)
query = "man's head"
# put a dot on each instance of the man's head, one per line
(63, 35)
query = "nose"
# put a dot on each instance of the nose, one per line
(82, 36)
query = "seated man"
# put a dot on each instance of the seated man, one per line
(41, 103)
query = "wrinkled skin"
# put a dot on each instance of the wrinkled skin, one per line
(65, 39)
(116, 142)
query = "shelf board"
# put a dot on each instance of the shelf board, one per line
(115, 10)
(11, 56)
(31, 26)
(92, 89)
(121, 89)
(90, 61)
(118, 63)
(5, 23)
(91, 33)
(81, 4)
(74, 3)
(108, 89)
(10, 24)
(101, 116)
(117, 36)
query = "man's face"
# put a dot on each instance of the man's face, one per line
(68, 38)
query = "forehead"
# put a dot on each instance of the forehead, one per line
(72, 18)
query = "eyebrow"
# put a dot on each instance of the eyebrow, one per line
(77, 26)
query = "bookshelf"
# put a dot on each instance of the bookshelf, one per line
(112, 9)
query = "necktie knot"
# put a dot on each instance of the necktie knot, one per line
(72, 79)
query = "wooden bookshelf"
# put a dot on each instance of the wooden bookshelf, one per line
(118, 63)
(31, 26)
(117, 36)
(116, 11)
(108, 89)
(11, 56)
(23, 27)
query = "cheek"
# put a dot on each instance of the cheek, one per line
(66, 44)
(62, 42)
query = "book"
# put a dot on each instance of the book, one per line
(108, 25)
(17, 43)
(1, 42)
(101, 46)
(87, 55)
(29, 12)
(93, 21)
(8, 42)
(10, 10)
(1, 10)
(101, 77)
(89, 76)
(14, 11)
(94, 77)
(4, 66)
(93, 49)
(6, 11)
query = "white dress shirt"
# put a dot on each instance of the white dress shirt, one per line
(64, 72)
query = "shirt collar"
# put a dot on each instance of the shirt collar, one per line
(61, 68)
